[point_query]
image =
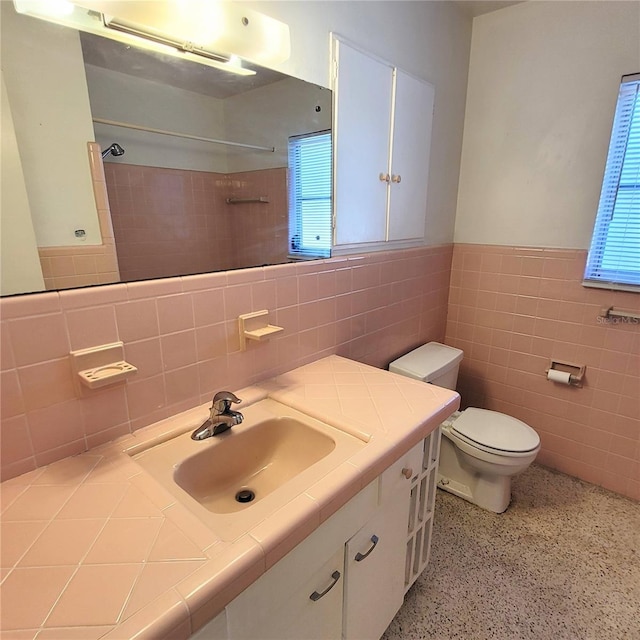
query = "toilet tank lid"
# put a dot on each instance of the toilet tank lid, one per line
(427, 362)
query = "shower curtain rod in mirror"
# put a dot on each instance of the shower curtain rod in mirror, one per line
(126, 125)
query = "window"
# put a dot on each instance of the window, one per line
(614, 256)
(310, 206)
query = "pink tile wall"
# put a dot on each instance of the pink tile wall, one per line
(512, 310)
(169, 222)
(260, 230)
(73, 266)
(181, 333)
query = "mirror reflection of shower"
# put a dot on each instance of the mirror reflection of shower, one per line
(115, 150)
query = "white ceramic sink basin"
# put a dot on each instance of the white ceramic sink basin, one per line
(234, 480)
(251, 462)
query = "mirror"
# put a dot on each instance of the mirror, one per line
(203, 184)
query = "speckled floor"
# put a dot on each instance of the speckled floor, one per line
(563, 562)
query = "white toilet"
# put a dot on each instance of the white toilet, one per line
(481, 450)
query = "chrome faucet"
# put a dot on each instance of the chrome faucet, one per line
(221, 417)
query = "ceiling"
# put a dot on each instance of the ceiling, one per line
(478, 7)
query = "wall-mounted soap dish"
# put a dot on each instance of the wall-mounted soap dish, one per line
(108, 374)
(255, 326)
(100, 366)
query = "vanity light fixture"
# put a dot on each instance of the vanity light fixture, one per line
(213, 32)
(53, 9)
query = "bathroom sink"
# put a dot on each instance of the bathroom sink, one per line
(234, 480)
(247, 465)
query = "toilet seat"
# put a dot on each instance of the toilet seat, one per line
(495, 432)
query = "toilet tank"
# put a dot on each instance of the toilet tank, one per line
(432, 362)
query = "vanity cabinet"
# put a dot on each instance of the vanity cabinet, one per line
(374, 571)
(382, 138)
(347, 580)
(279, 605)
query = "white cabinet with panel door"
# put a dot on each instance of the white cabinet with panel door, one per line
(292, 605)
(377, 556)
(409, 170)
(363, 94)
(374, 570)
(382, 138)
(301, 596)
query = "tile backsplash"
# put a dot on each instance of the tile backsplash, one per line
(182, 335)
(511, 310)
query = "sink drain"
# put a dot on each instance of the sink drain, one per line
(245, 495)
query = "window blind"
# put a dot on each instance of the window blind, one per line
(310, 189)
(614, 256)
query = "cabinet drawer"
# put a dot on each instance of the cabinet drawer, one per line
(410, 464)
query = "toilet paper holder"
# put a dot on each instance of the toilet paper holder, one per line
(575, 371)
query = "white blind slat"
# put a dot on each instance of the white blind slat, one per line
(310, 191)
(614, 256)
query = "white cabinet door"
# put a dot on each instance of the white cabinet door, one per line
(382, 129)
(279, 606)
(374, 567)
(307, 607)
(215, 629)
(363, 97)
(413, 116)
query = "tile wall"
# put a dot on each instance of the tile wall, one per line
(173, 221)
(181, 333)
(260, 231)
(511, 310)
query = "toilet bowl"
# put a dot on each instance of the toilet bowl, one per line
(481, 450)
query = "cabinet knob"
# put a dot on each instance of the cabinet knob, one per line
(407, 472)
(396, 178)
(384, 177)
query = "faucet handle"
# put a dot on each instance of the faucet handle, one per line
(222, 401)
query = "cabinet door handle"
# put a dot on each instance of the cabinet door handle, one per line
(407, 472)
(396, 178)
(360, 557)
(316, 596)
(384, 177)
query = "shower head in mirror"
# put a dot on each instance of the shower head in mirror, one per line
(115, 150)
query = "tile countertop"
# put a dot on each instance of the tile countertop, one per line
(93, 547)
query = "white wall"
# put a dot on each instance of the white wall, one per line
(19, 262)
(269, 115)
(265, 116)
(543, 84)
(429, 39)
(44, 75)
(124, 98)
